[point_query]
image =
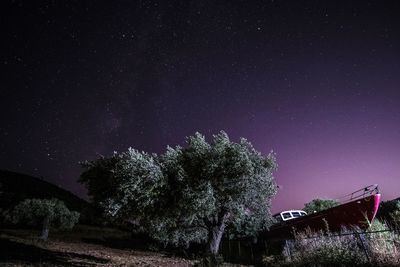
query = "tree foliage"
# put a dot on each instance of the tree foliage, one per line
(395, 214)
(317, 205)
(389, 211)
(46, 213)
(188, 194)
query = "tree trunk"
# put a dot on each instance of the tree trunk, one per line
(215, 236)
(45, 228)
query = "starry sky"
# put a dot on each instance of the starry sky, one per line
(315, 81)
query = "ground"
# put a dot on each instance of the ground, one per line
(85, 246)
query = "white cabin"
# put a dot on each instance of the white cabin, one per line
(289, 215)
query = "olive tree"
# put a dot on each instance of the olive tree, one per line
(317, 205)
(44, 212)
(190, 193)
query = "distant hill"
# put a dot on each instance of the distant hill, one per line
(15, 187)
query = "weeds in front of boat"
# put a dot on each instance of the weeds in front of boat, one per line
(378, 246)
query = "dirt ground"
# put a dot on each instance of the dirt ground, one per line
(85, 246)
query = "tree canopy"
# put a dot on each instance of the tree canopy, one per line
(45, 212)
(318, 204)
(188, 194)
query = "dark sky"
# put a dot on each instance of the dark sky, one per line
(315, 81)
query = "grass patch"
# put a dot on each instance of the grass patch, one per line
(350, 247)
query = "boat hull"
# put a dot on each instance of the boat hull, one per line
(360, 213)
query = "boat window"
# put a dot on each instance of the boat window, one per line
(296, 214)
(286, 215)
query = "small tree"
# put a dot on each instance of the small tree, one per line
(188, 194)
(387, 210)
(45, 212)
(395, 214)
(318, 204)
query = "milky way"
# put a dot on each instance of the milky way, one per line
(315, 81)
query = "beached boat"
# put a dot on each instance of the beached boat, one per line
(357, 209)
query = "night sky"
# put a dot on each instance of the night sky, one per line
(315, 81)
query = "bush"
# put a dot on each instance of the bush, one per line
(350, 247)
(317, 205)
(395, 214)
(389, 211)
(314, 249)
(383, 245)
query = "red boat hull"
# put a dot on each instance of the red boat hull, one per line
(358, 212)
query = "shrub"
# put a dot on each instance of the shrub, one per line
(350, 247)
(314, 249)
(317, 205)
(383, 245)
(395, 214)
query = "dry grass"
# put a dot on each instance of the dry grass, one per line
(347, 249)
(84, 246)
(21, 248)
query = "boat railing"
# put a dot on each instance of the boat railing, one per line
(361, 193)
